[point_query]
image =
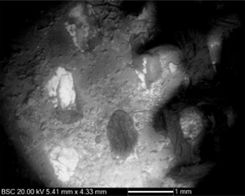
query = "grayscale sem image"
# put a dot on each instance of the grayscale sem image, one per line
(123, 94)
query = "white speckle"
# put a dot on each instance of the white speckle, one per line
(72, 30)
(144, 65)
(61, 87)
(141, 76)
(214, 49)
(66, 91)
(172, 67)
(64, 162)
(191, 124)
(214, 46)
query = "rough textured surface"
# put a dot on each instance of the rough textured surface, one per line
(121, 133)
(61, 89)
(98, 43)
(104, 80)
(191, 123)
(68, 116)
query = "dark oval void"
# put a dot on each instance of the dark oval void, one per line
(121, 134)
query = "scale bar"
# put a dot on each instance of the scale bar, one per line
(144, 192)
(140, 191)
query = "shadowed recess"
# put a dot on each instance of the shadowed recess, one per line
(121, 134)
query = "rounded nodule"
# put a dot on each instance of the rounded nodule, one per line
(121, 134)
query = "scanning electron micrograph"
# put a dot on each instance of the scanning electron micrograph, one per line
(142, 95)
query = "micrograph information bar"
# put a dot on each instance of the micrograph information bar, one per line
(96, 191)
